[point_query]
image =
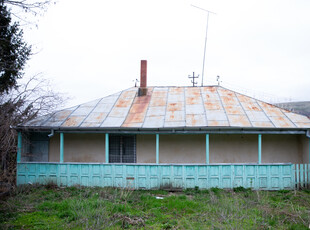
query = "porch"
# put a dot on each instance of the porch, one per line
(166, 172)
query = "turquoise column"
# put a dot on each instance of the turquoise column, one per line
(207, 149)
(309, 150)
(61, 148)
(259, 148)
(19, 146)
(106, 148)
(157, 148)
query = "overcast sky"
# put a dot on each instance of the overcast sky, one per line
(90, 49)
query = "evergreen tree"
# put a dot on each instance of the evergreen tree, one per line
(14, 51)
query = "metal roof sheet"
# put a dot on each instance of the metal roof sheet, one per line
(168, 107)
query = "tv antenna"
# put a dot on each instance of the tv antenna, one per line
(218, 80)
(204, 53)
(136, 81)
(193, 81)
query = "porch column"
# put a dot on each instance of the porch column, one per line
(19, 146)
(157, 148)
(61, 148)
(207, 149)
(309, 150)
(259, 148)
(106, 148)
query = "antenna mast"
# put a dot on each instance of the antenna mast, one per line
(204, 53)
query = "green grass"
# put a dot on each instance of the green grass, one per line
(51, 207)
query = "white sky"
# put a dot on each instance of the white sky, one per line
(90, 49)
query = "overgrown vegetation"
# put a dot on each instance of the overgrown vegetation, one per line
(51, 207)
(19, 102)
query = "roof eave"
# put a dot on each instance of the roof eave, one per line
(167, 130)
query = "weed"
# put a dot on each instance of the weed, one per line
(217, 191)
(50, 207)
(241, 189)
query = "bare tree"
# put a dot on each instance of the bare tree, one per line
(27, 101)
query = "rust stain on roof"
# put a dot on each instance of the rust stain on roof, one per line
(251, 106)
(158, 101)
(129, 94)
(212, 106)
(138, 110)
(160, 94)
(229, 100)
(175, 106)
(243, 98)
(134, 118)
(195, 120)
(175, 116)
(193, 100)
(233, 109)
(271, 110)
(176, 90)
(282, 122)
(225, 92)
(123, 102)
(217, 123)
(143, 99)
(96, 117)
(209, 89)
(239, 120)
(193, 91)
(73, 121)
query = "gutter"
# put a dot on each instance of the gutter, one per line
(177, 130)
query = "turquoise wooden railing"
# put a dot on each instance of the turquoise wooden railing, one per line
(152, 176)
(302, 176)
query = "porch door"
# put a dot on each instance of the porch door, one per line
(122, 149)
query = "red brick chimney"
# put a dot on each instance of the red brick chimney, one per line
(143, 79)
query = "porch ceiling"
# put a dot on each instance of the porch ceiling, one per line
(173, 108)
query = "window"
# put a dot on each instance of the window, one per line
(35, 147)
(122, 149)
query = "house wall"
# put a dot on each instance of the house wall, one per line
(78, 148)
(304, 141)
(224, 148)
(233, 148)
(146, 148)
(281, 148)
(172, 149)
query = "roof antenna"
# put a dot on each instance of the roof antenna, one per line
(193, 81)
(218, 80)
(136, 81)
(204, 54)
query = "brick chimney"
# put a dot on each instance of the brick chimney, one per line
(143, 79)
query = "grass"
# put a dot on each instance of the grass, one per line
(51, 207)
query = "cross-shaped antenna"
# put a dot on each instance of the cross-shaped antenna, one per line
(193, 81)
(204, 54)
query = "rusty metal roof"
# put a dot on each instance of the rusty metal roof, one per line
(173, 107)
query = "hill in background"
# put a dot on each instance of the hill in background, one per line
(301, 107)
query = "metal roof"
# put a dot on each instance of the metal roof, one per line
(173, 107)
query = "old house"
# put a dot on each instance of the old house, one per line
(157, 137)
